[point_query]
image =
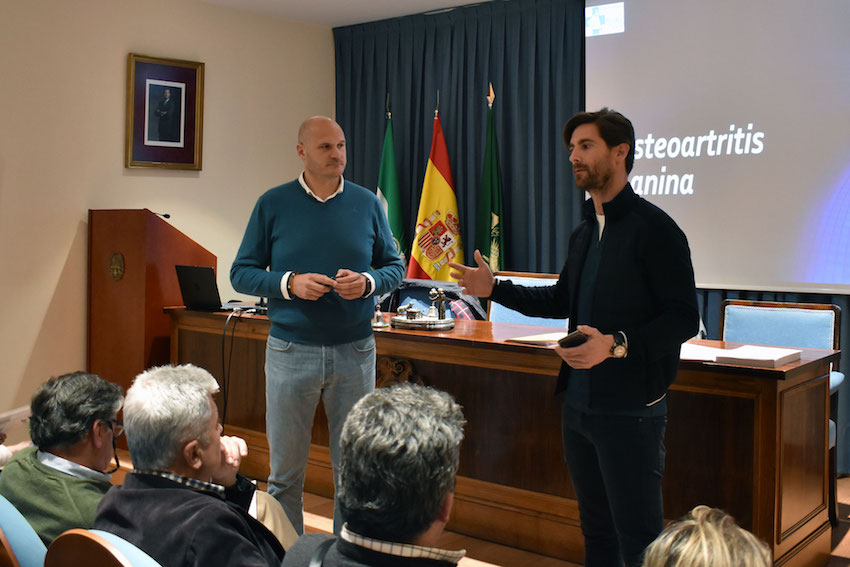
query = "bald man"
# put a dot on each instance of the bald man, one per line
(320, 248)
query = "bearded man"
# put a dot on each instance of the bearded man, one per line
(628, 286)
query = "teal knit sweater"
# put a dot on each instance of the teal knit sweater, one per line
(291, 231)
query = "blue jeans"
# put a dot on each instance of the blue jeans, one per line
(297, 375)
(616, 463)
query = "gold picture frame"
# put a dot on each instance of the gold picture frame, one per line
(165, 113)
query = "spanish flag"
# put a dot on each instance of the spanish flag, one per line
(437, 241)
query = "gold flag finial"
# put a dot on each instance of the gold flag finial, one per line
(491, 97)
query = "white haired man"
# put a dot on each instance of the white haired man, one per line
(400, 448)
(184, 503)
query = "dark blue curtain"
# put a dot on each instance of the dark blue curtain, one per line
(533, 53)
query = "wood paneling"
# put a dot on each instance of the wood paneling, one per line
(506, 413)
(748, 440)
(711, 441)
(802, 456)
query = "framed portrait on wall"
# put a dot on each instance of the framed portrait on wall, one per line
(165, 113)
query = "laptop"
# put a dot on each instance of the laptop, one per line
(200, 290)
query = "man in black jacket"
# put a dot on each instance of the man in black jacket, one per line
(184, 503)
(628, 285)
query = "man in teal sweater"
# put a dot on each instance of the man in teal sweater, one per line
(320, 248)
(58, 484)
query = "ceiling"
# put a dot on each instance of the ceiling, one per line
(335, 13)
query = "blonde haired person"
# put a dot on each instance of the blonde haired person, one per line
(706, 537)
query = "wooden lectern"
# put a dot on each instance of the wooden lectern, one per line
(132, 254)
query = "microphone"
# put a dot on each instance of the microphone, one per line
(163, 215)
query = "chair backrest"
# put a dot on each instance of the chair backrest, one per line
(497, 312)
(799, 325)
(137, 557)
(21, 545)
(95, 547)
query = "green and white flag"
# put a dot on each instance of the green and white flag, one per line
(388, 190)
(488, 227)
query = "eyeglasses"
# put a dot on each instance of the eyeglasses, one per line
(117, 431)
(117, 428)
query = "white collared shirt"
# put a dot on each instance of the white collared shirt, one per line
(309, 191)
(70, 467)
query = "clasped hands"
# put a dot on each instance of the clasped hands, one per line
(311, 286)
(480, 282)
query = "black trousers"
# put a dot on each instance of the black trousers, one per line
(616, 464)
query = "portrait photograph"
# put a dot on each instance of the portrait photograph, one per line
(164, 114)
(165, 110)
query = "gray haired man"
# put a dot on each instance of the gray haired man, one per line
(400, 448)
(184, 504)
(58, 484)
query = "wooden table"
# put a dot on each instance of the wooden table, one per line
(752, 441)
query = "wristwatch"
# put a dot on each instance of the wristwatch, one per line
(621, 345)
(368, 290)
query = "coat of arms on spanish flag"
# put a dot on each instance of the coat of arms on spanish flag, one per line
(437, 241)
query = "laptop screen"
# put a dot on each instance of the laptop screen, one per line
(198, 288)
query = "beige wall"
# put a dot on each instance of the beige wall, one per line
(63, 73)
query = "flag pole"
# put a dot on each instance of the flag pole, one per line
(489, 236)
(388, 190)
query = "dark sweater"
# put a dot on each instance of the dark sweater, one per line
(182, 527)
(644, 287)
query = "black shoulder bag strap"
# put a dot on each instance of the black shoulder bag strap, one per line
(319, 555)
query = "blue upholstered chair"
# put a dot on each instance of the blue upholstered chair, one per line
(497, 312)
(95, 547)
(798, 325)
(137, 557)
(21, 546)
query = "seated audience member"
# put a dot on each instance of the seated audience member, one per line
(184, 503)
(58, 484)
(706, 537)
(399, 456)
(6, 451)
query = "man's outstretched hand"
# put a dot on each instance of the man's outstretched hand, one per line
(474, 281)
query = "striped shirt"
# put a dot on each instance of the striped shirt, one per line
(401, 549)
(192, 483)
